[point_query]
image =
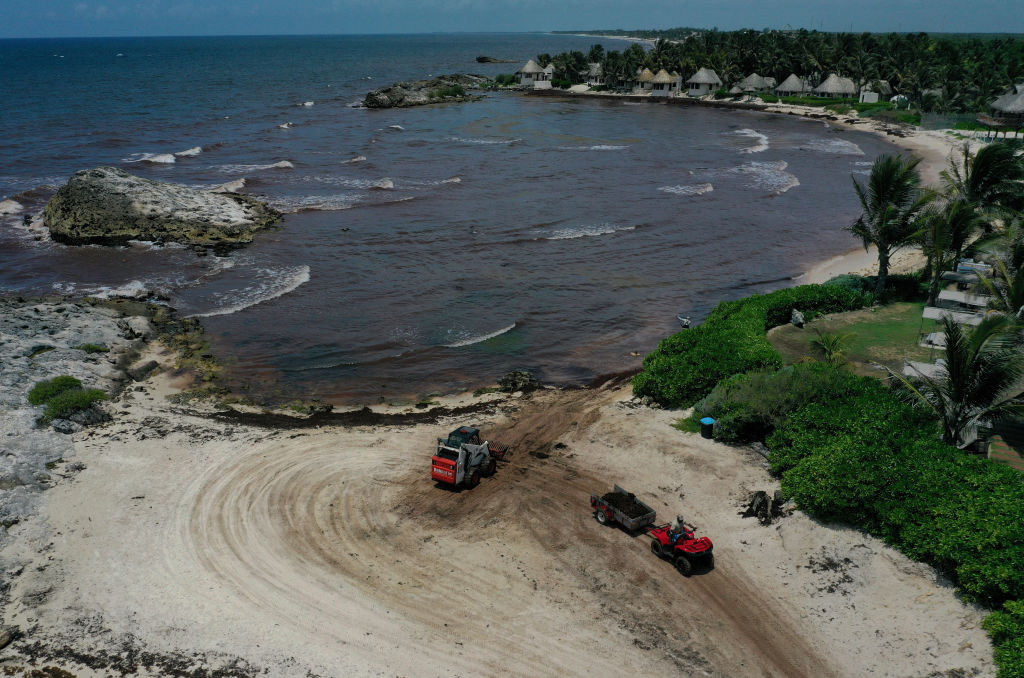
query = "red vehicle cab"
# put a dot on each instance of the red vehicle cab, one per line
(683, 548)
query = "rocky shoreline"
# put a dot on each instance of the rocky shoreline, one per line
(440, 90)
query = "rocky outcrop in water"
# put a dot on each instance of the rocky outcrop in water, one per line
(492, 60)
(108, 206)
(443, 89)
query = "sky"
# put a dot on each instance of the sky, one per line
(90, 18)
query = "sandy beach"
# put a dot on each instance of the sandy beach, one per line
(183, 539)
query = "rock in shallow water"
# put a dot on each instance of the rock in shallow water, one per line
(108, 206)
(443, 89)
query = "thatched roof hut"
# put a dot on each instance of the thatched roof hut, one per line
(531, 67)
(753, 83)
(793, 85)
(1008, 110)
(736, 89)
(594, 70)
(834, 86)
(663, 78)
(705, 76)
(646, 76)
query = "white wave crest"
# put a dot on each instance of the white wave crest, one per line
(229, 187)
(483, 142)
(693, 189)
(132, 290)
(322, 203)
(836, 146)
(351, 161)
(768, 176)
(383, 183)
(10, 207)
(241, 169)
(158, 158)
(762, 140)
(586, 231)
(306, 104)
(267, 284)
(483, 337)
(397, 128)
(190, 152)
(286, 125)
(596, 147)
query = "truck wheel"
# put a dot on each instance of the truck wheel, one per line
(656, 549)
(492, 466)
(601, 517)
(684, 565)
(474, 479)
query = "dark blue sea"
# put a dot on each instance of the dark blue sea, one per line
(423, 250)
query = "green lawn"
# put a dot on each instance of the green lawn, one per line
(884, 334)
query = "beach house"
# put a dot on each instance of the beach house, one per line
(792, 86)
(704, 81)
(664, 84)
(836, 87)
(644, 81)
(1007, 110)
(532, 75)
(594, 75)
(755, 83)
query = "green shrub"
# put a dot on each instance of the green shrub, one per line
(44, 390)
(748, 407)
(447, 91)
(92, 348)
(841, 109)
(505, 79)
(560, 83)
(898, 287)
(686, 366)
(1006, 628)
(67, 403)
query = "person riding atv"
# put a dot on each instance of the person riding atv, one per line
(680, 529)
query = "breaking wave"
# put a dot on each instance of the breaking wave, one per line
(242, 169)
(483, 142)
(835, 146)
(268, 283)
(762, 140)
(483, 337)
(693, 189)
(350, 161)
(323, 203)
(189, 152)
(586, 231)
(157, 158)
(768, 176)
(596, 147)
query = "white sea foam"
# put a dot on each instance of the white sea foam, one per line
(586, 231)
(132, 289)
(189, 152)
(159, 158)
(228, 187)
(306, 104)
(692, 189)
(596, 147)
(768, 176)
(324, 203)
(483, 337)
(762, 140)
(836, 146)
(267, 284)
(241, 169)
(10, 207)
(383, 183)
(483, 142)
(286, 125)
(351, 161)
(397, 128)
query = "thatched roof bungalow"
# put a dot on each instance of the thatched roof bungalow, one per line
(755, 83)
(532, 75)
(594, 75)
(664, 84)
(645, 80)
(836, 87)
(1007, 110)
(703, 82)
(792, 86)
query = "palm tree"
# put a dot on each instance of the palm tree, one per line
(891, 200)
(1007, 290)
(982, 380)
(988, 179)
(943, 234)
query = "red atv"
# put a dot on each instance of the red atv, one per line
(684, 549)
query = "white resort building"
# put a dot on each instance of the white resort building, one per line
(665, 84)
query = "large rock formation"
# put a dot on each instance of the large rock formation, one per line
(443, 89)
(108, 206)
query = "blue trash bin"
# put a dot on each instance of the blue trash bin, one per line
(707, 427)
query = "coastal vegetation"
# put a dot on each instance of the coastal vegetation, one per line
(939, 73)
(884, 452)
(63, 396)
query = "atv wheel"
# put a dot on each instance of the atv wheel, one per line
(492, 466)
(711, 562)
(474, 479)
(601, 517)
(684, 565)
(656, 549)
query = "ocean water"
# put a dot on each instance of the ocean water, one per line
(425, 249)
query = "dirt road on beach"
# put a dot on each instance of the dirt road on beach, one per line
(332, 552)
